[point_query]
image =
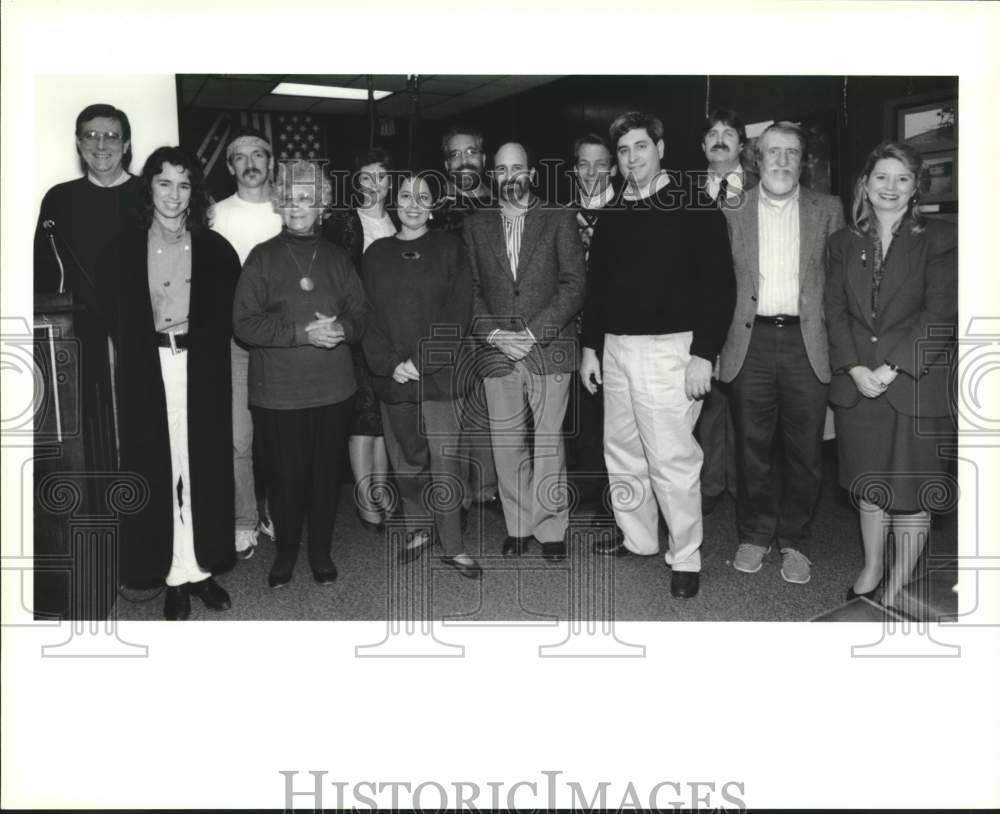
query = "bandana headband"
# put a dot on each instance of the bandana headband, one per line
(248, 141)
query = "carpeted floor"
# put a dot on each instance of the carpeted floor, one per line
(531, 589)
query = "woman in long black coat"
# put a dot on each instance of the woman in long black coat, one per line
(170, 298)
(891, 304)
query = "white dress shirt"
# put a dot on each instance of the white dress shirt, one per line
(734, 177)
(778, 255)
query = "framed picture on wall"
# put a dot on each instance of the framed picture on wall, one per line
(939, 180)
(928, 123)
(929, 127)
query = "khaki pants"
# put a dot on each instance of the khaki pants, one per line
(649, 445)
(531, 476)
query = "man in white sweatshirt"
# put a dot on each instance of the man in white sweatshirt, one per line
(245, 219)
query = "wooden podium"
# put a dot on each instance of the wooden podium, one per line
(78, 493)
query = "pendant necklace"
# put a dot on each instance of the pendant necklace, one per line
(305, 281)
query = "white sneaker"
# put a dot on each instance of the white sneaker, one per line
(246, 542)
(266, 526)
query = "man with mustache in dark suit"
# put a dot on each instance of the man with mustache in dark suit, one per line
(726, 181)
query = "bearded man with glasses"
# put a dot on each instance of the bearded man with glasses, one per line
(467, 191)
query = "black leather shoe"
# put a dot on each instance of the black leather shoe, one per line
(211, 593)
(709, 503)
(868, 595)
(493, 504)
(284, 563)
(471, 570)
(515, 546)
(684, 584)
(611, 545)
(368, 525)
(177, 605)
(554, 552)
(326, 575)
(409, 552)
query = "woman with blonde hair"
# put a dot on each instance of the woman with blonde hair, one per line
(891, 304)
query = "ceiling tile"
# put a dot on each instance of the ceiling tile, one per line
(337, 107)
(453, 84)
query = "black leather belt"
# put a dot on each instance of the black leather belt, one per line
(163, 340)
(778, 320)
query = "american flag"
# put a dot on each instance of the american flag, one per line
(223, 126)
(209, 135)
(299, 135)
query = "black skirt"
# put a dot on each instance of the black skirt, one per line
(885, 460)
(367, 413)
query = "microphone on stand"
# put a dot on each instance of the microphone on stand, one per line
(49, 227)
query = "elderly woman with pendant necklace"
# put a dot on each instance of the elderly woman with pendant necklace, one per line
(298, 304)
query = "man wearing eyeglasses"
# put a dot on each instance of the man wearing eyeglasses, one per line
(466, 192)
(77, 221)
(245, 219)
(85, 215)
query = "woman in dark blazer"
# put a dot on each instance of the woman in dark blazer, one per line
(419, 284)
(891, 310)
(169, 296)
(354, 229)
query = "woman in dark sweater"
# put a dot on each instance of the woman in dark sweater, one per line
(420, 287)
(298, 303)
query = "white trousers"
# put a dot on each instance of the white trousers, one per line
(649, 445)
(184, 566)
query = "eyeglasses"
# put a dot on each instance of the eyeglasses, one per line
(468, 152)
(94, 136)
(302, 200)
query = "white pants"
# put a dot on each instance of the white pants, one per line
(184, 567)
(649, 445)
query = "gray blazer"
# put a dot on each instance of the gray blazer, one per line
(545, 297)
(819, 217)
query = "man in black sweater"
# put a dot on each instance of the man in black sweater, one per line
(660, 296)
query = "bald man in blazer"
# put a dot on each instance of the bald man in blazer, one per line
(528, 284)
(776, 355)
